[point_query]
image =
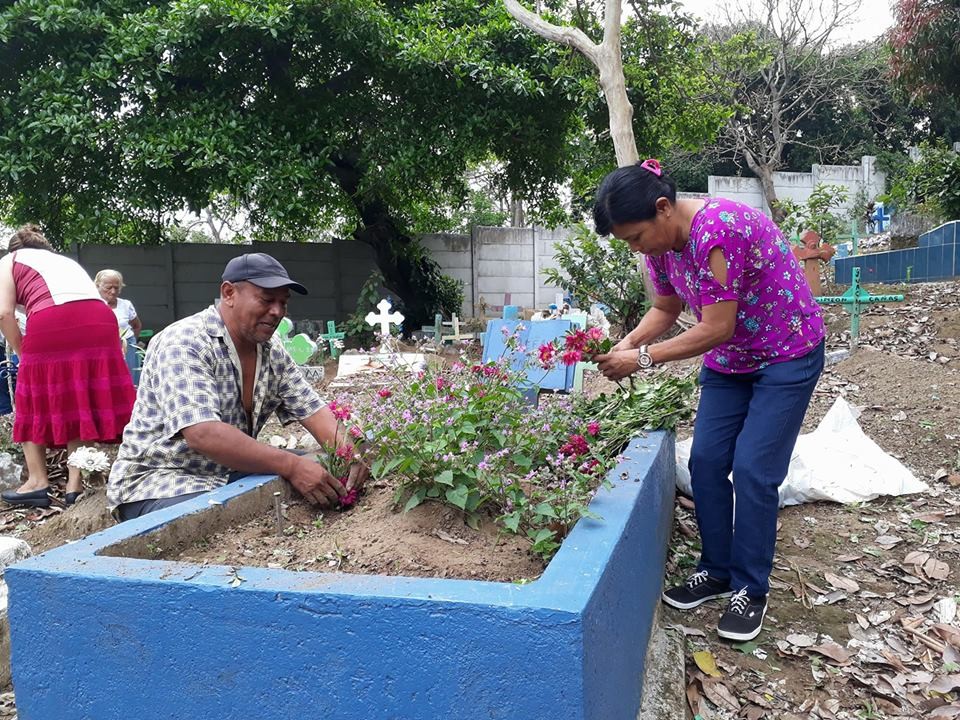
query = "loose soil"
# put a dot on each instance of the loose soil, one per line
(373, 538)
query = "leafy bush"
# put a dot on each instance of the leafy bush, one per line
(930, 186)
(815, 214)
(356, 328)
(598, 270)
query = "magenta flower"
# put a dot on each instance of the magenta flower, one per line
(593, 428)
(384, 393)
(571, 357)
(345, 451)
(340, 412)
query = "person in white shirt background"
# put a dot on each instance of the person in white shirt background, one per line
(109, 283)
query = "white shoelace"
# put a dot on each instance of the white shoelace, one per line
(696, 579)
(739, 602)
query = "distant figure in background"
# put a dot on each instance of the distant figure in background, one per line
(72, 384)
(870, 223)
(109, 284)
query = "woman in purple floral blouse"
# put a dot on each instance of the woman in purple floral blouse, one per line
(761, 334)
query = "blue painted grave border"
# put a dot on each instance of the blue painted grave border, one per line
(95, 636)
(936, 257)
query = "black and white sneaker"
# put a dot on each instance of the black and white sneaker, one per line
(696, 590)
(743, 618)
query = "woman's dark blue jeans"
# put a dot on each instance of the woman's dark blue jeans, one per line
(746, 423)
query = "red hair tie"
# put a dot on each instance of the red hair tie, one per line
(653, 166)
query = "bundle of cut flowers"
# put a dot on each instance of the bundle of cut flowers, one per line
(657, 402)
(89, 460)
(578, 344)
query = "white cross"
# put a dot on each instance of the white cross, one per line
(385, 319)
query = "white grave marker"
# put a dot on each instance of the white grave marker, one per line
(385, 319)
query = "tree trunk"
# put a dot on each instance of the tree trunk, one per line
(770, 194)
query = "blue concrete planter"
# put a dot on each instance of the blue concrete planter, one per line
(99, 634)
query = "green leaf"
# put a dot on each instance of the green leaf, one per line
(444, 478)
(746, 648)
(546, 510)
(521, 460)
(458, 496)
(433, 492)
(414, 500)
(512, 522)
(541, 535)
(473, 520)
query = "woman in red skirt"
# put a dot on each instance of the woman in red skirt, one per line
(72, 385)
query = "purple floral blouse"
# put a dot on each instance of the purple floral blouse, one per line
(777, 317)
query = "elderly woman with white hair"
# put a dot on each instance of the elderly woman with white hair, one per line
(109, 283)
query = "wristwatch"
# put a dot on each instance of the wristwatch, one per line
(644, 359)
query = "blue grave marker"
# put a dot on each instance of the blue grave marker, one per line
(881, 217)
(532, 336)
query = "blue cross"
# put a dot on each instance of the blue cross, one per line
(881, 217)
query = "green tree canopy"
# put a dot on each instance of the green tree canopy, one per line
(925, 39)
(349, 114)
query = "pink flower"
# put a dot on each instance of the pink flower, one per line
(340, 412)
(576, 340)
(350, 499)
(593, 428)
(575, 446)
(571, 357)
(384, 393)
(595, 333)
(440, 383)
(345, 452)
(356, 432)
(547, 353)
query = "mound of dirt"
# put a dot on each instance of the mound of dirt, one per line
(373, 538)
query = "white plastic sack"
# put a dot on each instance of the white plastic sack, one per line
(835, 462)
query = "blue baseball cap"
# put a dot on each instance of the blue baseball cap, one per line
(262, 270)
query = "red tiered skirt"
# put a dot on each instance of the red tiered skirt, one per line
(72, 383)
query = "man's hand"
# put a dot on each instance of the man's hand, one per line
(616, 365)
(317, 486)
(624, 344)
(359, 472)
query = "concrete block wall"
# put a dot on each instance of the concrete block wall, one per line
(797, 186)
(169, 282)
(454, 253)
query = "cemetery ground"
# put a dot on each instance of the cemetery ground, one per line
(862, 608)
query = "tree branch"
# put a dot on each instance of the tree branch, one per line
(566, 35)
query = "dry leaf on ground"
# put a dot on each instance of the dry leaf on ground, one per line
(841, 583)
(833, 651)
(707, 663)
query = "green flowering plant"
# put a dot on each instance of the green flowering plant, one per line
(464, 434)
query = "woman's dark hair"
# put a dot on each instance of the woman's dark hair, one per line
(629, 194)
(29, 236)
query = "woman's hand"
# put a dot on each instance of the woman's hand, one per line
(617, 364)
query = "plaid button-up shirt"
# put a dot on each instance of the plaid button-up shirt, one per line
(191, 375)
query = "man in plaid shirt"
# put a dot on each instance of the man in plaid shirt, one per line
(209, 384)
